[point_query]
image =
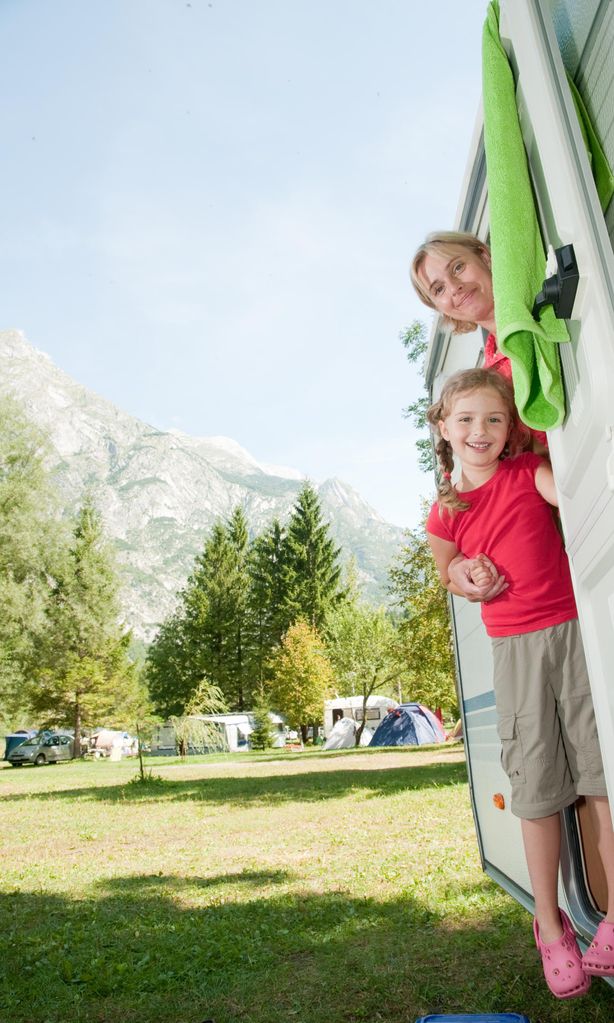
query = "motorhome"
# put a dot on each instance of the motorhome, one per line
(547, 41)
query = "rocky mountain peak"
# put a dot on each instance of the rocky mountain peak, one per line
(159, 492)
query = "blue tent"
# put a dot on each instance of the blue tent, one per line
(409, 724)
(16, 738)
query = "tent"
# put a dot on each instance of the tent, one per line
(352, 707)
(343, 735)
(16, 739)
(409, 724)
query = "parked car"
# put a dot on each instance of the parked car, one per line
(43, 749)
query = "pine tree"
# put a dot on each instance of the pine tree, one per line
(209, 633)
(312, 570)
(174, 662)
(238, 586)
(222, 577)
(266, 598)
(31, 540)
(89, 675)
(209, 583)
(262, 735)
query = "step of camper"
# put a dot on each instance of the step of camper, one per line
(469, 1017)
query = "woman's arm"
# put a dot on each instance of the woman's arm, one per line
(476, 579)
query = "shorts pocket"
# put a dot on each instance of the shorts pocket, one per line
(511, 748)
(581, 739)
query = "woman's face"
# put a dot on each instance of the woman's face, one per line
(460, 286)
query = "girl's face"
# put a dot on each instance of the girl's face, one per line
(460, 286)
(477, 427)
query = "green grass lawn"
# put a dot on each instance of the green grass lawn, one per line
(315, 887)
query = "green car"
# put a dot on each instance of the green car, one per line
(43, 749)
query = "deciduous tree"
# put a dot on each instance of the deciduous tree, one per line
(364, 648)
(301, 677)
(425, 623)
(191, 731)
(414, 340)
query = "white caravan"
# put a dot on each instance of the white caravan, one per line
(544, 39)
(352, 707)
(234, 730)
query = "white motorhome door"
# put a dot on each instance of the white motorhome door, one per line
(583, 449)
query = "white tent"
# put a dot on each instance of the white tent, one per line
(343, 735)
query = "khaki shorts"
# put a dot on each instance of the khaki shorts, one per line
(546, 722)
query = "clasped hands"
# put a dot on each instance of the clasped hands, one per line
(476, 578)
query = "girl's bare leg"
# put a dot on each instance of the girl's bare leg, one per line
(542, 846)
(599, 809)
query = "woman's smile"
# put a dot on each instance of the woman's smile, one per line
(460, 287)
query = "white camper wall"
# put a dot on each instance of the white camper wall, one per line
(583, 450)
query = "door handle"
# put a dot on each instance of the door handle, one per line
(559, 290)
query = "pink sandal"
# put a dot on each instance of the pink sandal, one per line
(599, 956)
(562, 962)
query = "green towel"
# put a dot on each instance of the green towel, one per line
(604, 179)
(518, 257)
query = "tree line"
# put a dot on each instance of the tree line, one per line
(267, 621)
(274, 622)
(239, 605)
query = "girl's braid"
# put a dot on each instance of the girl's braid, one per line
(447, 495)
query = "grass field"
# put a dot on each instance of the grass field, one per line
(315, 888)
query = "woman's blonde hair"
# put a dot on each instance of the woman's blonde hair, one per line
(464, 382)
(445, 243)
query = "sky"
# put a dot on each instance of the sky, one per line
(209, 210)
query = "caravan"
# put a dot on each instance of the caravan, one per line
(231, 732)
(547, 42)
(352, 707)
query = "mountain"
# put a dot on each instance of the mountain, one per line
(159, 492)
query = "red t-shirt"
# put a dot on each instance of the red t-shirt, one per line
(494, 359)
(510, 521)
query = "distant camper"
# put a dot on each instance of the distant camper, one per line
(234, 731)
(352, 706)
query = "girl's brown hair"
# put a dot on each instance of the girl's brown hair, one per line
(464, 382)
(450, 244)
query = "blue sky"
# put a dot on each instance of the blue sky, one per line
(209, 210)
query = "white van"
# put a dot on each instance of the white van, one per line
(544, 39)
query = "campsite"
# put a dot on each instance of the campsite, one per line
(202, 251)
(261, 887)
(393, 724)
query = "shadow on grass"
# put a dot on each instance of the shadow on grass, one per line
(267, 790)
(319, 753)
(143, 883)
(159, 949)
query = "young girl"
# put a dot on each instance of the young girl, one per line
(499, 517)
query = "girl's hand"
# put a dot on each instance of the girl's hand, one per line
(481, 574)
(477, 579)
